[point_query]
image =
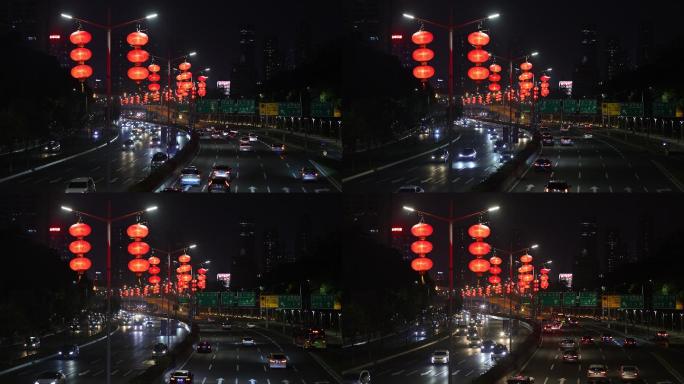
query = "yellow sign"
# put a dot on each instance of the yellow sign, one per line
(679, 305)
(610, 109)
(338, 305)
(268, 109)
(337, 112)
(268, 301)
(610, 301)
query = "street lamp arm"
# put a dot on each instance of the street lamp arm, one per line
(86, 214)
(428, 214)
(127, 215)
(459, 26)
(128, 23)
(430, 22)
(88, 22)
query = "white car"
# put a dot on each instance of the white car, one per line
(568, 344)
(277, 360)
(50, 378)
(410, 189)
(629, 372)
(251, 325)
(190, 176)
(597, 371)
(588, 135)
(81, 185)
(253, 137)
(247, 340)
(440, 357)
(565, 140)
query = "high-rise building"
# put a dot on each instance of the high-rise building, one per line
(614, 250)
(303, 240)
(616, 59)
(402, 49)
(303, 44)
(401, 241)
(59, 48)
(243, 74)
(244, 266)
(585, 77)
(585, 272)
(272, 58)
(645, 43)
(645, 239)
(272, 253)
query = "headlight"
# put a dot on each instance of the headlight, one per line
(60, 352)
(71, 353)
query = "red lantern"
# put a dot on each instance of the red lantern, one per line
(154, 270)
(478, 39)
(202, 271)
(186, 278)
(544, 284)
(137, 39)
(137, 56)
(138, 74)
(526, 66)
(495, 260)
(81, 72)
(138, 248)
(80, 264)
(478, 73)
(526, 258)
(154, 87)
(544, 78)
(79, 247)
(495, 68)
(184, 258)
(154, 280)
(478, 56)
(184, 66)
(422, 38)
(544, 277)
(494, 270)
(423, 54)
(421, 230)
(421, 264)
(423, 72)
(154, 260)
(494, 77)
(138, 265)
(154, 68)
(421, 247)
(479, 248)
(80, 230)
(544, 271)
(80, 54)
(137, 231)
(479, 231)
(80, 38)
(526, 85)
(479, 266)
(494, 280)
(525, 268)
(202, 92)
(494, 87)
(527, 278)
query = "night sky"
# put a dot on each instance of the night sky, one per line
(210, 222)
(211, 28)
(550, 221)
(550, 27)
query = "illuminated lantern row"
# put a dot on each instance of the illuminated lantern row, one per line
(80, 55)
(525, 272)
(154, 78)
(154, 270)
(202, 278)
(137, 56)
(183, 272)
(79, 247)
(421, 247)
(423, 55)
(202, 86)
(495, 270)
(545, 85)
(526, 84)
(138, 248)
(479, 249)
(544, 278)
(184, 81)
(478, 56)
(494, 77)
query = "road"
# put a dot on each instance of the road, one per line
(232, 363)
(433, 176)
(125, 167)
(466, 363)
(597, 164)
(258, 171)
(131, 355)
(655, 363)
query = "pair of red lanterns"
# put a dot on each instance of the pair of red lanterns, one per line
(80, 55)
(421, 247)
(79, 247)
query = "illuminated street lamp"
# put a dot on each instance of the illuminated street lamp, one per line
(108, 220)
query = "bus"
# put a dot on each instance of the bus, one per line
(309, 338)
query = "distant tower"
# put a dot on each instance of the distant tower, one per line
(243, 74)
(645, 43)
(585, 78)
(616, 59)
(244, 268)
(586, 264)
(272, 250)
(272, 57)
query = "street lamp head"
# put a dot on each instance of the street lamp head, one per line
(535, 53)
(150, 209)
(192, 246)
(408, 16)
(192, 53)
(494, 208)
(152, 16)
(494, 16)
(549, 69)
(410, 209)
(207, 69)
(534, 246)
(66, 16)
(66, 209)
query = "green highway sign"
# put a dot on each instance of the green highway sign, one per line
(588, 299)
(183, 300)
(588, 107)
(289, 302)
(549, 299)
(228, 299)
(321, 109)
(569, 299)
(631, 109)
(322, 301)
(664, 302)
(631, 302)
(207, 106)
(664, 109)
(570, 106)
(289, 109)
(549, 106)
(207, 299)
(246, 107)
(247, 299)
(526, 300)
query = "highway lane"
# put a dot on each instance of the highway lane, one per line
(596, 165)
(131, 355)
(434, 176)
(258, 171)
(232, 363)
(466, 363)
(547, 366)
(125, 167)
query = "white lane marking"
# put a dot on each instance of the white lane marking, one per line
(84, 372)
(398, 373)
(427, 372)
(412, 372)
(454, 373)
(455, 180)
(114, 372)
(469, 373)
(204, 380)
(546, 380)
(210, 366)
(98, 372)
(128, 372)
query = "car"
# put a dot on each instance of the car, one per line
(359, 377)
(504, 333)
(566, 141)
(75, 328)
(278, 147)
(52, 146)
(487, 346)
(410, 189)
(606, 337)
(500, 145)
(441, 156)
(571, 356)
(629, 342)
(215, 135)
(662, 334)
(50, 378)
(629, 372)
(137, 325)
(586, 340)
(226, 326)
(155, 141)
(31, 342)
(520, 379)
(160, 349)
(440, 357)
(499, 352)
(252, 137)
(203, 347)
(308, 174)
(80, 185)
(68, 351)
(128, 145)
(190, 176)
(567, 344)
(420, 332)
(542, 164)
(506, 155)
(547, 328)
(244, 140)
(149, 324)
(548, 141)
(277, 360)
(588, 135)
(245, 144)
(557, 186)
(218, 184)
(467, 154)
(461, 330)
(248, 340)
(565, 128)
(597, 370)
(181, 377)
(221, 170)
(251, 325)
(475, 342)
(232, 133)
(472, 335)
(158, 159)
